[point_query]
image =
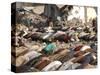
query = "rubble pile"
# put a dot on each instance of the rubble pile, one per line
(40, 45)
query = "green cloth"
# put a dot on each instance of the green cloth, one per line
(50, 48)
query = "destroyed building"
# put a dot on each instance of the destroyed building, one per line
(50, 37)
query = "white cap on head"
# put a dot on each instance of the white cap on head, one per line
(85, 47)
